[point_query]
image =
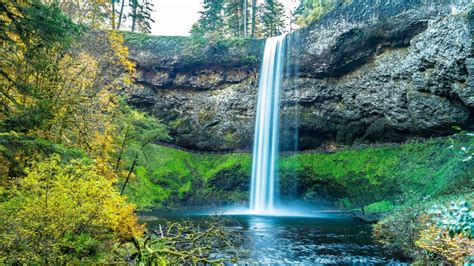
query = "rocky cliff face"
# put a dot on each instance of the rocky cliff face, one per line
(367, 72)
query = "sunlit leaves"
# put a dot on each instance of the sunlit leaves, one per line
(54, 206)
(93, 13)
(449, 232)
(121, 55)
(32, 43)
(61, 85)
(312, 10)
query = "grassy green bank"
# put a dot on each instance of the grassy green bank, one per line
(377, 178)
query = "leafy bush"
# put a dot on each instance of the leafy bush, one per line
(439, 231)
(313, 10)
(456, 219)
(450, 232)
(400, 230)
(445, 248)
(63, 213)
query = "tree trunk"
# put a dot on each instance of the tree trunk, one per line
(113, 14)
(254, 16)
(135, 160)
(134, 16)
(122, 148)
(119, 23)
(238, 32)
(129, 173)
(245, 18)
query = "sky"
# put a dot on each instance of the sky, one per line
(176, 17)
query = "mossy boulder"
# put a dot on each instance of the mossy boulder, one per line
(232, 179)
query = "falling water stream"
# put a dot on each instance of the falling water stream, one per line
(263, 195)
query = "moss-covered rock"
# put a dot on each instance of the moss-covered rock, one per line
(379, 178)
(196, 52)
(231, 179)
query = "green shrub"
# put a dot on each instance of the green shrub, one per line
(433, 231)
(457, 218)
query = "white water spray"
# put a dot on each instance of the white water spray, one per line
(265, 151)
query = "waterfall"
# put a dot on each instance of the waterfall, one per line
(263, 194)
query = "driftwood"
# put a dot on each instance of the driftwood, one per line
(360, 217)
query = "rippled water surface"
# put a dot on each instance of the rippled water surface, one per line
(304, 240)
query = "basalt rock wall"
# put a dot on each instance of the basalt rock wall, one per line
(367, 72)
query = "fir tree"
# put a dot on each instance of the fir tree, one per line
(272, 14)
(211, 21)
(235, 17)
(141, 15)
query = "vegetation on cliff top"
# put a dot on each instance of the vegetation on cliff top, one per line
(197, 50)
(310, 11)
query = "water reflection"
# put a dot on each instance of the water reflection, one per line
(289, 240)
(260, 234)
(305, 240)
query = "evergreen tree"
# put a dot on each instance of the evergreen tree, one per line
(211, 21)
(235, 17)
(272, 14)
(312, 10)
(254, 17)
(141, 15)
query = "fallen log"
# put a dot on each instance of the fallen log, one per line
(364, 219)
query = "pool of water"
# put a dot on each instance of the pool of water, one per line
(332, 240)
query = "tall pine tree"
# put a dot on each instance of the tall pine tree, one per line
(235, 17)
(140, 14)
(211, 21)
(272, 14)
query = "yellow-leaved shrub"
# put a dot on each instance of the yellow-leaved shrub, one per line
(64, 213)
(453, 249)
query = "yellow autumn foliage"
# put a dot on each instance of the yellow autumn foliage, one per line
(455, 250)
(65, 92)
(62, 213)
(116, 40)
(89, 12)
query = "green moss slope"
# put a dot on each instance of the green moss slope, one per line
(377, 177)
